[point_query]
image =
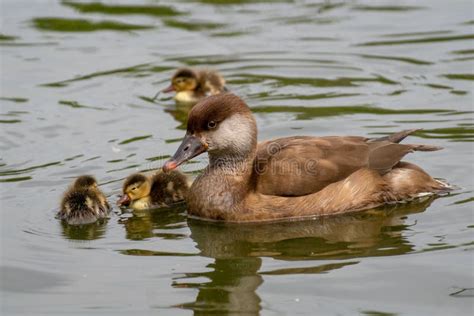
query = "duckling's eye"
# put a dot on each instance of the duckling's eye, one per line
(134, 188)
(211, 124)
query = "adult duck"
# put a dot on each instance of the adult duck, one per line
(292, 177)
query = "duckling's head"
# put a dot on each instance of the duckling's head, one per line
(184, 79)
(135, 187)
(222, 125)
(85, 182)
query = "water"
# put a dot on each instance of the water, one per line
(76, 84)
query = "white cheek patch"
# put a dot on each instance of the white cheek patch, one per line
(234, 133)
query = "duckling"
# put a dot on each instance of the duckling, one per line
(161, 189)
(83, 202)
(291, 177)
(191, 85)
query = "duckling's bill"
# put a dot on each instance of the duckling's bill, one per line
(124, 200)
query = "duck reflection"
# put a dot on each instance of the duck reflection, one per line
(91, 231)
(231, 289)
(237, 250)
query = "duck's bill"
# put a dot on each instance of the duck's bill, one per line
(124, 200)
(191, 147)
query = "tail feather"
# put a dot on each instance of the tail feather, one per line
(384, 155)
(396, 137)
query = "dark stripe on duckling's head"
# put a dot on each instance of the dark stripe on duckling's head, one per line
(209, 112)
(185, 73)
(136, 178)
(84, 182)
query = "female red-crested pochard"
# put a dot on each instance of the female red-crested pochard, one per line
(83, 202)
(191, 85)
(292, 177)
(141, 191)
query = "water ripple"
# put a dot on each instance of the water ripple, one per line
(424, 40)
(82, 25)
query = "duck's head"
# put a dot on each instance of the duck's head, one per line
(135, 187)
(222, 125)
(184, 79)
(85, 182)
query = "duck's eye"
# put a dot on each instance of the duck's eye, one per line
(134, 188)
(211, 124)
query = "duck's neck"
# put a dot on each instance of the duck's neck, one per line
(232, 164)
(220, 190)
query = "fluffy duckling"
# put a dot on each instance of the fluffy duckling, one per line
(191, 85)
(161, 189)
(83, 202)
(291, 177)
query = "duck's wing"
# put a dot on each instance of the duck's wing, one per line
(296, 166)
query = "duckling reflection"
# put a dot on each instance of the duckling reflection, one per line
(90, 231)
(145, 224)
(237, 250)
(180, 113)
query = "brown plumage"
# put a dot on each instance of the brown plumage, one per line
(160, 189)
(83, 202)
(191, 85)
(294, 176)
(323, 160)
